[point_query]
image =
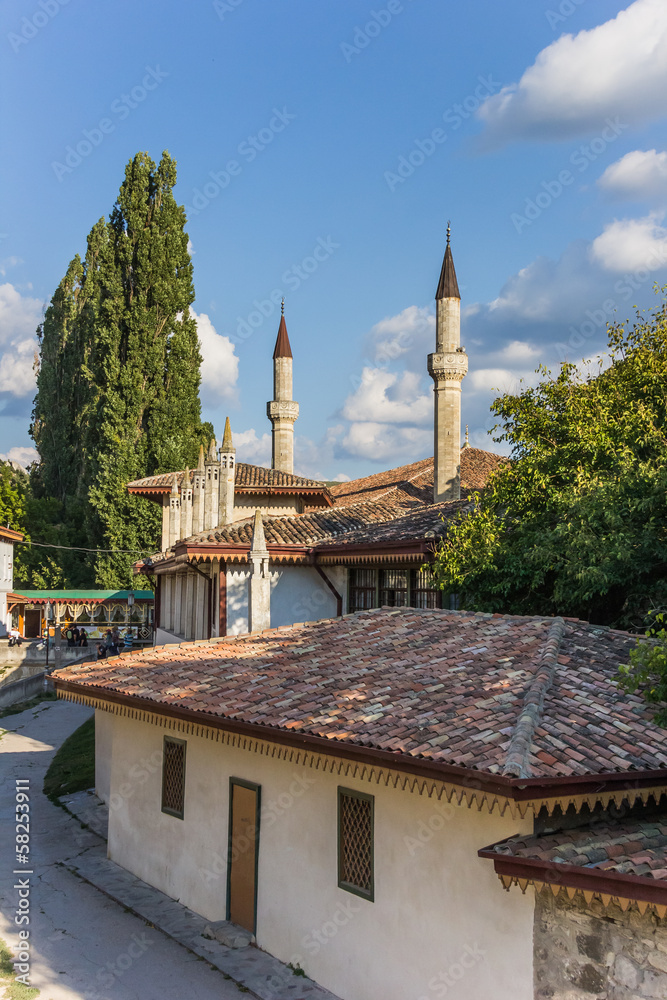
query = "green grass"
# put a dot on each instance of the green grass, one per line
(13, 990)
(22, 706)
(73, 767)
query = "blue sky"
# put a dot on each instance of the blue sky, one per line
(353, 131)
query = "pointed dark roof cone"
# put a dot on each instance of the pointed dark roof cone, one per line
(282, 348)
(448, 286)
(227, 446)
(200, 463)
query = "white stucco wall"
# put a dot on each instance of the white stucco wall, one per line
(298, 594)
(104, 729)
(435, 902)
(6, 582)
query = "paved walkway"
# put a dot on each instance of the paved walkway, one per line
(264, 976)
(84, 945)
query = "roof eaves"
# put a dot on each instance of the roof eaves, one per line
(604, 883)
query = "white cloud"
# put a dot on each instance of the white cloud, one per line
(220, 365)
(638, 176)
(387, 442)
(632, 245)
(23, 456)
(252, 449)
(394, 336)
(388, 397)
(7, 263)
(19, 317)
(615, 70)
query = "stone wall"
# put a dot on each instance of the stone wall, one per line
(591, 951)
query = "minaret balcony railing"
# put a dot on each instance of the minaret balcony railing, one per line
(279, 409)
(453, 365)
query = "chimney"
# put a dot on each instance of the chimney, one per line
(174, 513)
(227, 476)
(211, 487)
(259, 585)
(186, 505)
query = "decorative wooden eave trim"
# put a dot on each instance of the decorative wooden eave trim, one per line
(411, 551)
(206, 552)
(300, 491)
(10, 535)
(150, 492)
(479, 788)
(611, 888)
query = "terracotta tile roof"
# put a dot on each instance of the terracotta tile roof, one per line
(247, 476)
(416, 480)
(391, 506)
(369, 523)
(452, 688)
(626, 847)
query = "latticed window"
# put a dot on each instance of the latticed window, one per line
(355, 842)
(362, 593)
(394, 588)
(425, 591)
(173, 777)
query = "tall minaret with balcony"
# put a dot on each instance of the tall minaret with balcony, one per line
(447, 367)
(282, 411)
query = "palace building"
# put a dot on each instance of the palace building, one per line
(246, 548)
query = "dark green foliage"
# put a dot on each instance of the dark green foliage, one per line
(647, 670)
(118, 383)
(576, 523)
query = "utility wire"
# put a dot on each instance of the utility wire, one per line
(79, 548)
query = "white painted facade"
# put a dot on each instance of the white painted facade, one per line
(6, 582)
(440, 914)
(298, 594)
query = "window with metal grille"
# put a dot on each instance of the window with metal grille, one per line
(355, 842)
(362, 593)
(425, 592)
(173, 777)
(394, 588)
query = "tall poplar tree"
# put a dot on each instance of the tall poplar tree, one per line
(118, 383)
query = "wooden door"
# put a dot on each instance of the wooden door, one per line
(244, 806)
(33, 624)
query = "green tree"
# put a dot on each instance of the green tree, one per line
(576, 522)
(118, 382)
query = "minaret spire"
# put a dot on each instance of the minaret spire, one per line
(447, 367)
(282, 411)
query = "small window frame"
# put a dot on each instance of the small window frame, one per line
(177, 814)
(368, 894)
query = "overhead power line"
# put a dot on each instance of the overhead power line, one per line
(80, 548)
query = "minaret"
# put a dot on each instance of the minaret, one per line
(447, 368)
(198, 481)
(174, 513)
(259, 585)
(211, 487)
(282, 411)
(186, 506)
(227, 474)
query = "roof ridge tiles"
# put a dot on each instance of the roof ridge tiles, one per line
(518, 753)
